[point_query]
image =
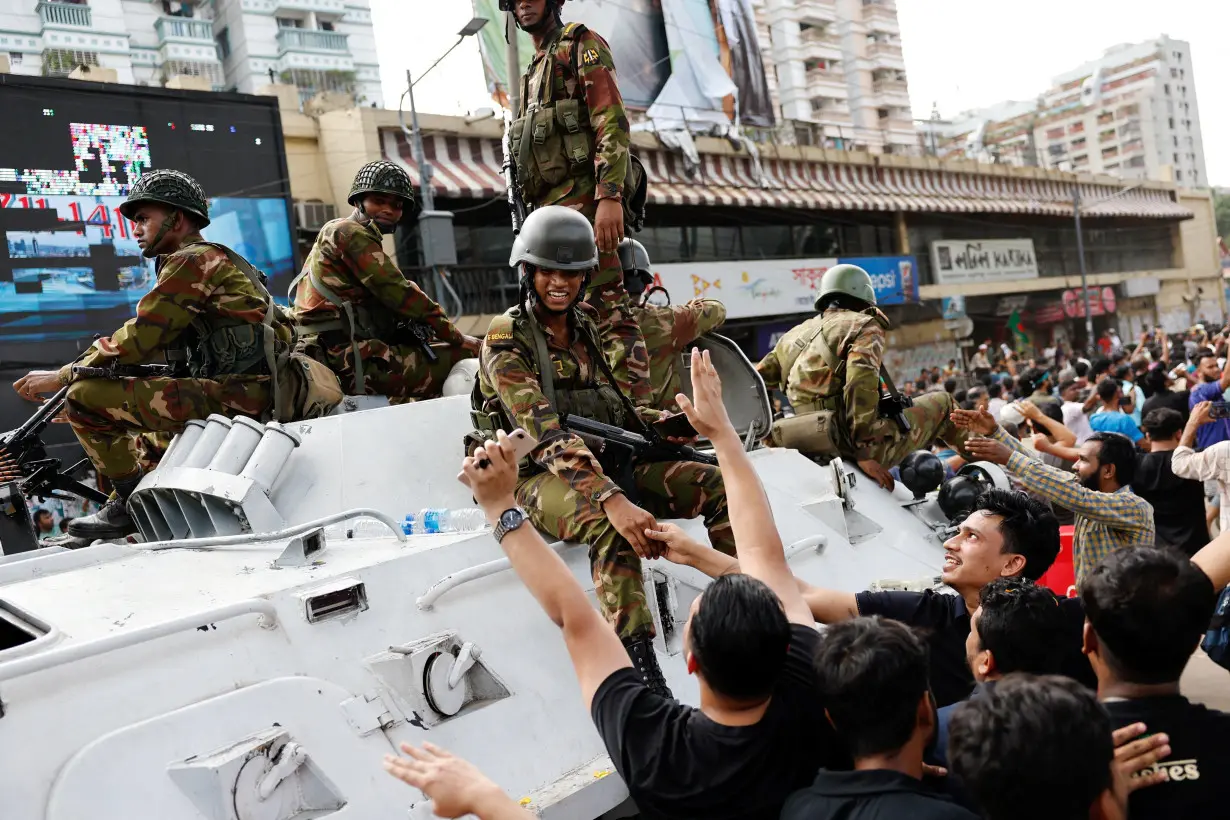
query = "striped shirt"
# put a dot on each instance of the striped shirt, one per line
(1105, 522)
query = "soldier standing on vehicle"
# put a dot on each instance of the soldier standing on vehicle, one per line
(358, 314)
(570, 142)
(668, 329)
(208, 313)
(542, 360)
(830, 368)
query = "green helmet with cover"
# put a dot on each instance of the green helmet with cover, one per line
(845, 280)
(167, 187)
(381, 177)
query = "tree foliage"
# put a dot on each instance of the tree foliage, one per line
(1221, 210)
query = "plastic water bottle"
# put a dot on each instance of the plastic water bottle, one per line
(370, 528)
(437, 520)
(410, 526)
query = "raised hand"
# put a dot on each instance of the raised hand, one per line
(455, 786)
(706, 410)
(976, 421)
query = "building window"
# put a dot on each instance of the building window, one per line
(59, 62)
(224, 44)
(1176, 159)
(1054, 134)
(1170, 120)
(289, 22)
(326, 25)
(1078, 144)
(1166, 88)
(15, 57)
(1178, 175)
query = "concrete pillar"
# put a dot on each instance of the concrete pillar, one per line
(902, 234)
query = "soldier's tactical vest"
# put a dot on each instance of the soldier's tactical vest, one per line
(819, 427)
(596, 400)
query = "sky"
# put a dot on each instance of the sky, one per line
(959, 54)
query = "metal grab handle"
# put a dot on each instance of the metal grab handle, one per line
(456, 579)
(71, 654)
(289, 532)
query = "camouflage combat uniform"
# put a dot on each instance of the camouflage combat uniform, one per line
(591, 165)
(198, 290)
(797, 368)
(668, 330)
(351, 262)
(562, 485)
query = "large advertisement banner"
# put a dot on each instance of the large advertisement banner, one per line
(69, 266)
(780, 287)
(958, 261)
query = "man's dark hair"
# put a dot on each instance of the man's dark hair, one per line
(1051, 411)
(1011, 428)
(1155, 380)
(1100, 366)
(1081, 368)
(1107, 388)
(960, 396)
(1204, 354)
(920, 385)
(1149, 608)
(872, 674)
(935, 377)
(1065, 385)
(1007, 383)
(968, 404)
(950, 385)
(1117, 450)
(976, 393)
(995, 390)
(986, 379)
(1032, 747)
(739, 636)
(1029, 528)
(1163, 423)
(38, 514)
(1123, 372)
(1021, 625)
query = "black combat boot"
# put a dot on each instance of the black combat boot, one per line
(112, 521)
(640, 650)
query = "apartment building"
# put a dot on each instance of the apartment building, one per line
(838, 73)
(1131, 113)
(319, 45)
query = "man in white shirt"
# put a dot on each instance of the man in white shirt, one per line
(1075, 417)
(979, 362)
(1210, 464)
(997, 403)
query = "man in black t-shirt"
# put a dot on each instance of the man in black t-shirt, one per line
(760, 732)
(873, 681)
(1009, 535)
(1147, 610)
(1178, 503)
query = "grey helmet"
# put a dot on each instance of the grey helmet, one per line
(846, 280)
(634, 259)
(174, 188)
(555, 238)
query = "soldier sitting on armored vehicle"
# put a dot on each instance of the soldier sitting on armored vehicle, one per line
(542, 361)
(668, 329)
(831, 369)
(356, 311)
(209, 314)
(760, 732)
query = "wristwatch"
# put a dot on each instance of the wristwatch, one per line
(510, 519)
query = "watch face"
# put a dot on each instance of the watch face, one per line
(510, 519)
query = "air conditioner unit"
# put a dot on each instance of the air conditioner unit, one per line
(312, 216)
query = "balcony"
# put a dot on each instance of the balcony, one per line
(879, 18)
(827, 84)
(326, 6)
(891, 91)
(298, 39)
(817, 44)
(885, 54)
(823, 12)
(828, 109)
(64, 15)
(184, 30)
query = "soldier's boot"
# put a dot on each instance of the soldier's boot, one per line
(113, 520)
(640, 650)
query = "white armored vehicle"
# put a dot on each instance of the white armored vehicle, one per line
(249, 661)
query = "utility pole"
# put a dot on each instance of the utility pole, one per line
(512, 64)
(1080, 254)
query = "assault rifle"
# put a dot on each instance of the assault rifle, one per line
(419, 334)
(125, 371)
(619, 450)
(516, 206)
(24, 460)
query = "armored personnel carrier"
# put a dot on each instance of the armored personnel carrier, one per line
(277, 633)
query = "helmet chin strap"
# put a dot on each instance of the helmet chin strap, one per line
(169, 224)
(530, 294)
(367, 218)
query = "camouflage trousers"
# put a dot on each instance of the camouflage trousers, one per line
(672, 489)
(114, 418)
(396, 371)
(622, 341)
(929, 420)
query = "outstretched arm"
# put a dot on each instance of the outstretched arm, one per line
(454, 786)
(593, 646)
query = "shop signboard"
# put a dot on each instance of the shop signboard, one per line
(954, 308)
(1101, 302)
(963, 261)
(780, 287)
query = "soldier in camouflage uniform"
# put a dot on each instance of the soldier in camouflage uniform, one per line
(357, 312)
(830, 369)
(668, 329)
(541, 360)
(208, 309)
(571, 143)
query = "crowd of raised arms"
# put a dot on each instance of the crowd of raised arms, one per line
(988, 696)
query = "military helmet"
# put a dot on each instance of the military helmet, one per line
(507, 5)
(634, 259)
(381, 177)
(846, 280)
(174, 188)
(555, 238)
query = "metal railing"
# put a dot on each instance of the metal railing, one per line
(293, 39)
(483, 289)
(331, 6)
(184, 28)
(64, 14)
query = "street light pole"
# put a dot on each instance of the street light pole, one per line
(1080, 254)
(512, 64)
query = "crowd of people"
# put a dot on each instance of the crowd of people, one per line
(1001, 701)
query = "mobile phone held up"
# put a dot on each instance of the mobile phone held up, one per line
(675, 427)
(523, 445)
(1219, 410)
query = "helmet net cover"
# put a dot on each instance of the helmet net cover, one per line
(168, 187)
(381, 177)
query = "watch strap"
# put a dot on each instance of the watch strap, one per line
(500, 530)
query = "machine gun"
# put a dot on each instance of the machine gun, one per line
(416, 333)
(619, 450)
(24, 460)
(516, 205)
